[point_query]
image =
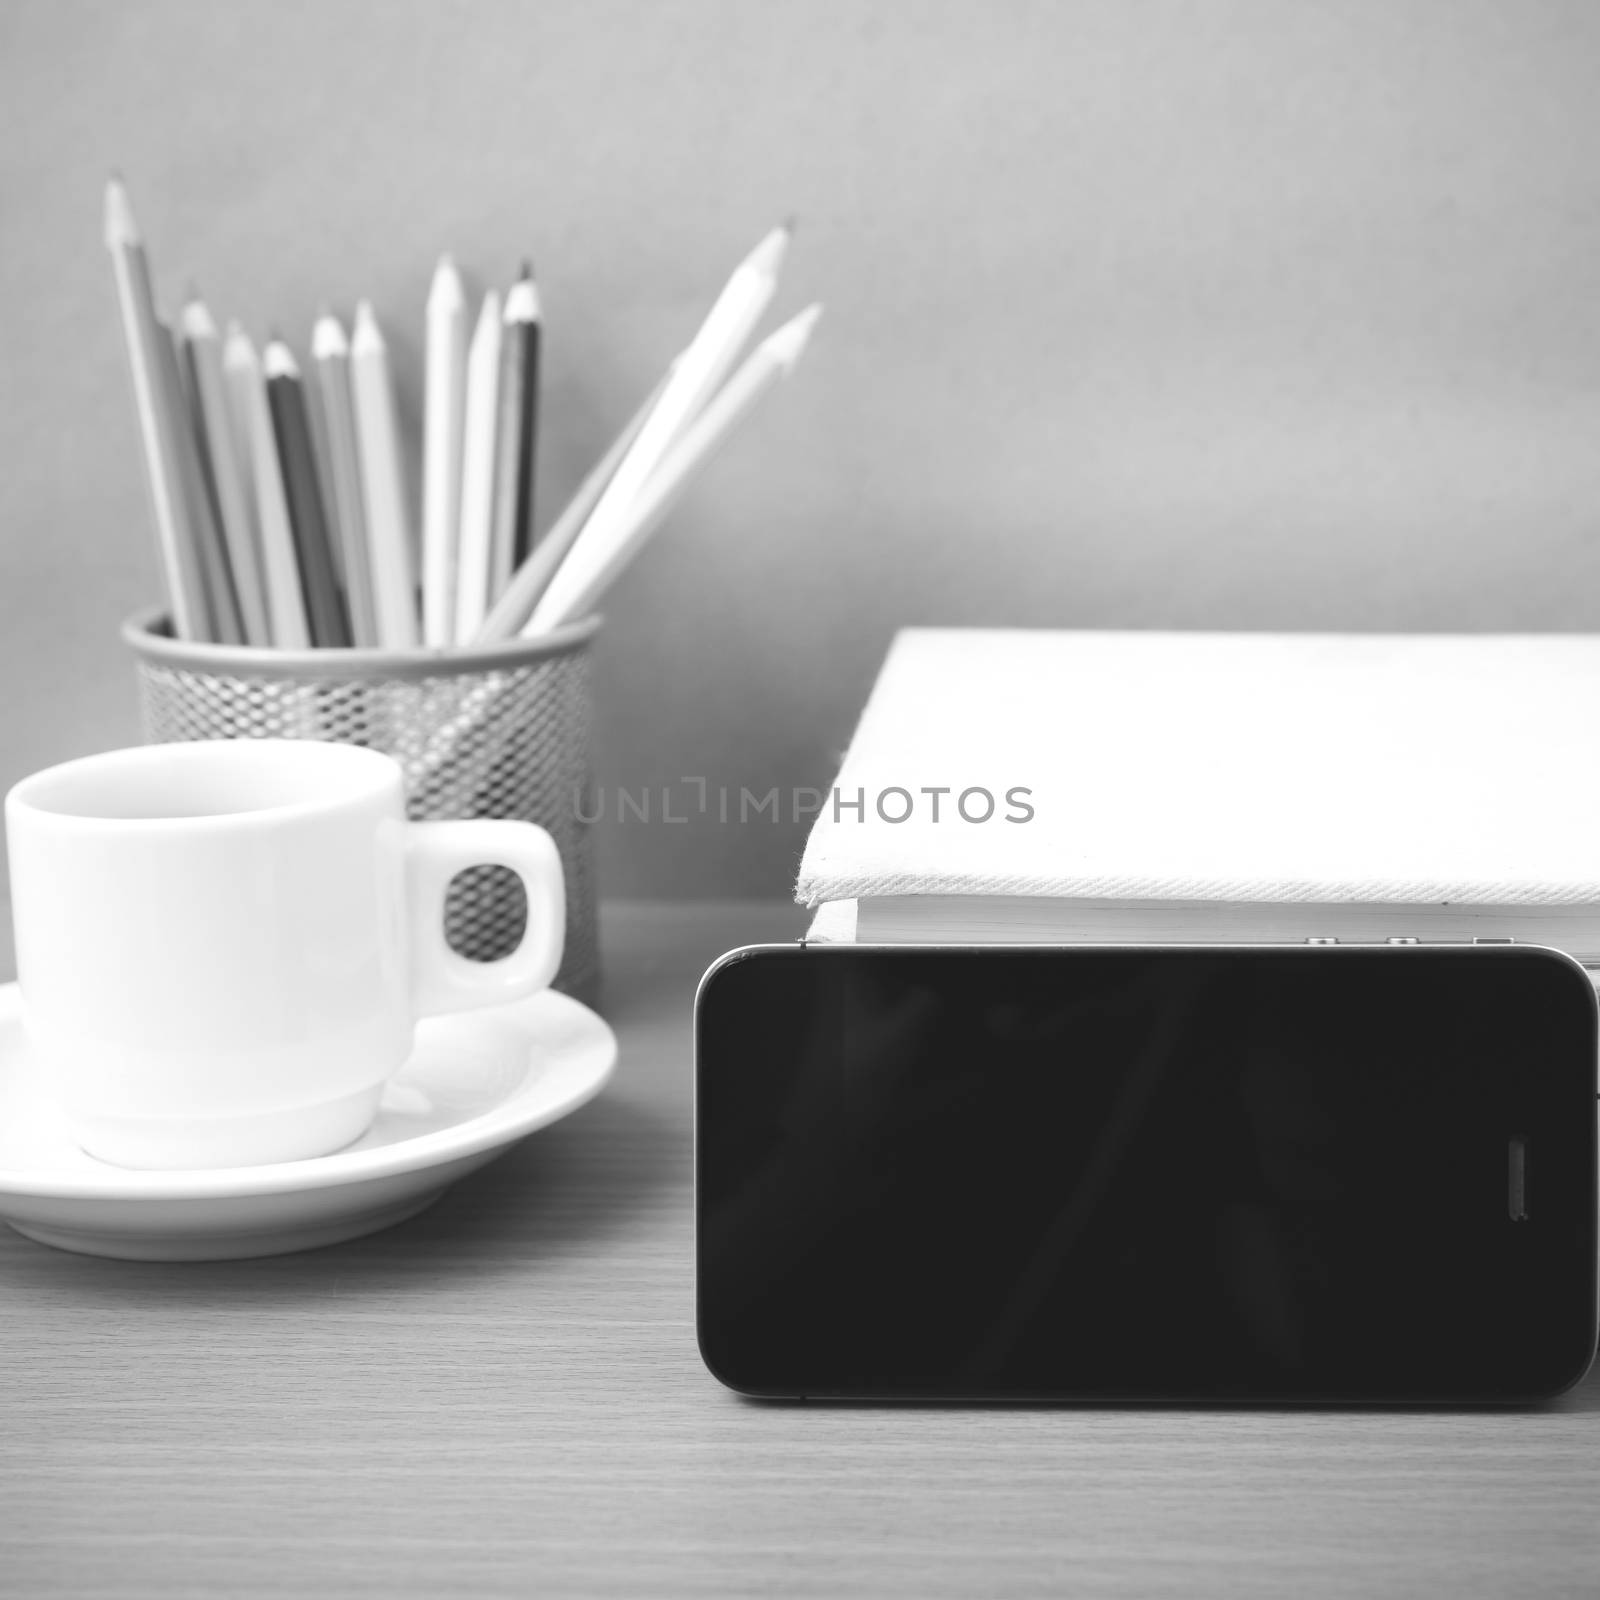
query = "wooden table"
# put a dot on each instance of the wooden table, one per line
(503, 1396)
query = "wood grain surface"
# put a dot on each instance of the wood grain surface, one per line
(503, 1396)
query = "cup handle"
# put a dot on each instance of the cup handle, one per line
(442, 980)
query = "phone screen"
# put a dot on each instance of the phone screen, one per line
(1302, 1174)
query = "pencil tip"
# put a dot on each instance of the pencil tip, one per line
(522, 299)
(237, 345)
(194, 316)
(364, 330)
(327, 337)
(790, 339)
(446, 291)
(278, 359)
(119, 223)
(768, 256)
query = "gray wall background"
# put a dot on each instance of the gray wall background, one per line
(1244, 315)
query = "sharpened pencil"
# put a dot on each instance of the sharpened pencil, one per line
(516, 438)
(444, 422)
(222, 606)
(330, 358)
(202, 349)
(181, 568)
(291, 426)
(280, 566)
(578, 586)
(699, 371)
(478, 470)
(322, 461)
(383, 491)
(531, 579)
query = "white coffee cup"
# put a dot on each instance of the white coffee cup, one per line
(223, 947)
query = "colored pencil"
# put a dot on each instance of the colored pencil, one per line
(280, 501)
(145, 339)
(286, 609)
(478, 470)
(578, 586)
(202, 351)
(238, 362)
(382, 484)
(330, 357)
(700, 369)
(222, 607)
(531, 579)
(443, 424)
(517, 437)
(322, 464)
(291, 427)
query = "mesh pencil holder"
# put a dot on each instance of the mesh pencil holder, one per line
(501, 731)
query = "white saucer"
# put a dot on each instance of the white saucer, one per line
(476, 1082)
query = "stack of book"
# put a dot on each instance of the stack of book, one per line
(1110, 788)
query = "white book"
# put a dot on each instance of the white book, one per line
(1193, 787)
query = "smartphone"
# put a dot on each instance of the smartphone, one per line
(1320, 1174)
